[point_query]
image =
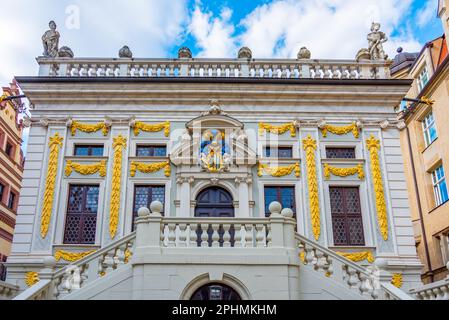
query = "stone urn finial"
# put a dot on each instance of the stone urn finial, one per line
(304, 53)
(184, 53)
(65, 52)
(245, 53)
(125, 52)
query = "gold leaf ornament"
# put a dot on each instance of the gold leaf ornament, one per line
(55, 145)
(31, 278)
(150, 168)
(358, 256)
(279, 171)
(310, 146)
(71, 256)
(343, 172)
(86, 169)
(341, 130)
(141, 126)
(281, 129)
(89, 128)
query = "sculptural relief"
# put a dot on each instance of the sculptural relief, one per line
(214, 156)
(376, 39)
(50, 40)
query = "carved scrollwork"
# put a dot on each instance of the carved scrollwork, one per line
(71, 256)
(358, 256)
(88, 128)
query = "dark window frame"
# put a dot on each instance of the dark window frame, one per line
(90, 148)
(2, 191)
(268, 150)
(149, 200)
(11, 150)
(329, 148)
(346, 215)
(152, 148)
(14, 196)
(279, 197)
(83, 214)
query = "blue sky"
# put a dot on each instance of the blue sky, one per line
(330, 29)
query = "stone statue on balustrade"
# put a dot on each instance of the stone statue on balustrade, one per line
(376, 39)
(50, 40)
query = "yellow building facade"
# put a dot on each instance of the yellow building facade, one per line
(425, 145)
(11, 169)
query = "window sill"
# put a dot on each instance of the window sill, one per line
(437, 207)
(427, 147)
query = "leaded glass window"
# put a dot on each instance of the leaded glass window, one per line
(284, 195)
(145, 195)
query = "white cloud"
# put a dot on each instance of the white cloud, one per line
(329, 28)
(427, 13)
(213, 35)
(149, 27)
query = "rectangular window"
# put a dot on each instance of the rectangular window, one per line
(2, 192)
(81, 219)
(429, 129)
(279, 152)
(439, 186)
(9, 150)
(2, 268)
(423, 78)
(151, 151)
(347, 222)
(284, 195)
(340, 153)
(145, 195)
(11, 200)
(89, 150)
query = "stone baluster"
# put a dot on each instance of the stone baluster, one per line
(121, 254)
(238, 236)
(215, 235)
(269, 236)
(204, 235)
(183, 235)
(171, 235)
(260, 243)
(193, 235)
(353, 279)
(249, 236)
(226, 235)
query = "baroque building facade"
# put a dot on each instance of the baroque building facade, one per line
(425, 153)
(11, 170)
(264, 179)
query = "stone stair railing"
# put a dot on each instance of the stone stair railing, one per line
(7, 291)
(351, 275)
(74, 276)
(433, 291)
(212, 68)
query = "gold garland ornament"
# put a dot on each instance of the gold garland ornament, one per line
(128, 255)
(87, 169)
(119, 143)
(341, 130)
(71, 256)
(55, 145)
(373, 146)
(31, 278)
(310, 148)
(150, 168)
(343, 172)
(358, 256)
(141, 126)
(397, 280)
(277, 129)
(89, 128)
(279, 171)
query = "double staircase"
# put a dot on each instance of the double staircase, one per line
(322, 273)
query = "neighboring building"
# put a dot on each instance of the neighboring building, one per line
(218, 142)
(11, 170)
(425, 146)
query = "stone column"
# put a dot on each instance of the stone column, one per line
(242, 184)
(184, 196)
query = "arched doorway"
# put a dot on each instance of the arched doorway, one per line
(216, 292)
(214, 202)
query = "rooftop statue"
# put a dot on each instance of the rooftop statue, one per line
(376, 39)
(50, 40)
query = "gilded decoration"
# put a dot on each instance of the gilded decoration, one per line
(341, 130)
(373, 146)
(31, 278)
(278, 129)
(310, 148)
(89, 128)
(397, 280)
(128, 255)
(150, 168)
(86, 169)
(358, 256)
(118, 145)
(141, 126)
(71, 256)
(343, 172)
(214, 155)
(55, 145)
(279, 171)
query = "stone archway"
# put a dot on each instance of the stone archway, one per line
(215, 292)
(214, 202)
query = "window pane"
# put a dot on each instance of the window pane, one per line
(285, 152)
(340, 153)
(270, 196)
(2, 190)
(432, 133)
(81, 151)
(92, 199)
(443, 191)
(288, 198)
(160, 152)
(284, 195)
(97, 151)
(267, 152)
